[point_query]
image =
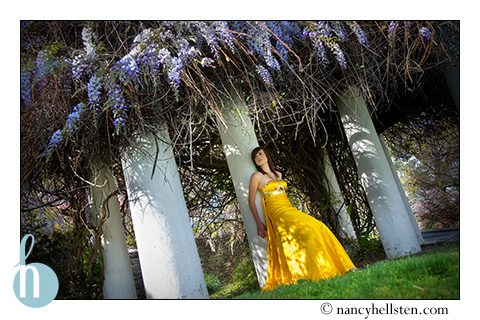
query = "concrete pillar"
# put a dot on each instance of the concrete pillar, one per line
(331, 183)
(401, 191)
(396, 232)
(239, 139)
(167, 251)
(118, 276)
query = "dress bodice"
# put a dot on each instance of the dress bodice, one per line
(273, 187)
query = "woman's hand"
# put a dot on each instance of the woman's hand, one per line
(261, 229)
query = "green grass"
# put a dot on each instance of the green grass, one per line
(433, 275)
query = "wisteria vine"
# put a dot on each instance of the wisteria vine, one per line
(174, 48)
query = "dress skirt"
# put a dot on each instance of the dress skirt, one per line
(299, 246)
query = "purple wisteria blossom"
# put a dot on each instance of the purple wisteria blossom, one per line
(426, 33)
(358, 31)
(284, 32)
(127, 69)
(206, 62)
(78, 67)
(265, 75)
(209, 34)
(186, 52)
(260, 44)
(322, 36)
(164, 56)
(47, 65)
(55, 140)
(224, 34)
(147, 53)
(71, 125)
(339, 56)
(26, 85)
(174, 72)
(392, 28)
(340, 30)
(119, 107)
(82, 61)
(93, 91)
(170, 49)
(319, 48)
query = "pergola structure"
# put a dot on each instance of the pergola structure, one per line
(129, 95)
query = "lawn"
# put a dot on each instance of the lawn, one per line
(432, 275)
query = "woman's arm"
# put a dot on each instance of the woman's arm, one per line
(252, 192)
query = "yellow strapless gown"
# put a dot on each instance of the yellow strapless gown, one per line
(299, 246)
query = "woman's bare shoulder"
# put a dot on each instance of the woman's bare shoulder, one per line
(256, 175)
(255, 179)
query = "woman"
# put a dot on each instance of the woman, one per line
(299, 246)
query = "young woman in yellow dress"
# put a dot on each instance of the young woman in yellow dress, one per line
(299, 246)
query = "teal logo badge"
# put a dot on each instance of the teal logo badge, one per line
(35, 284)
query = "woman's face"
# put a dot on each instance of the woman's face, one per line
(260, 158)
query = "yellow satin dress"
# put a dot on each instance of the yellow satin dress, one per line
(299, 246)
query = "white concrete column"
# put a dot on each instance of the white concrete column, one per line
(118, 276)
(167, 251)
(396, 232)
(239, 139)
(338, 202)
(401, 191)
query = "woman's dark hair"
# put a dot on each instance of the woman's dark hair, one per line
(269, 158)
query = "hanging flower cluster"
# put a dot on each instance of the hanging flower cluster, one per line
(93, 91)
(118, 107)
(26, 85)
(107, 84)
(70, 128)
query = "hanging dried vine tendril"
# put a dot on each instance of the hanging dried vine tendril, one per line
(87, 87)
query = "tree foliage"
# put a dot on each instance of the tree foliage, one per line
(426, 146)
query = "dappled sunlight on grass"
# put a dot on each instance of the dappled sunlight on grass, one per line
(434, 275)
